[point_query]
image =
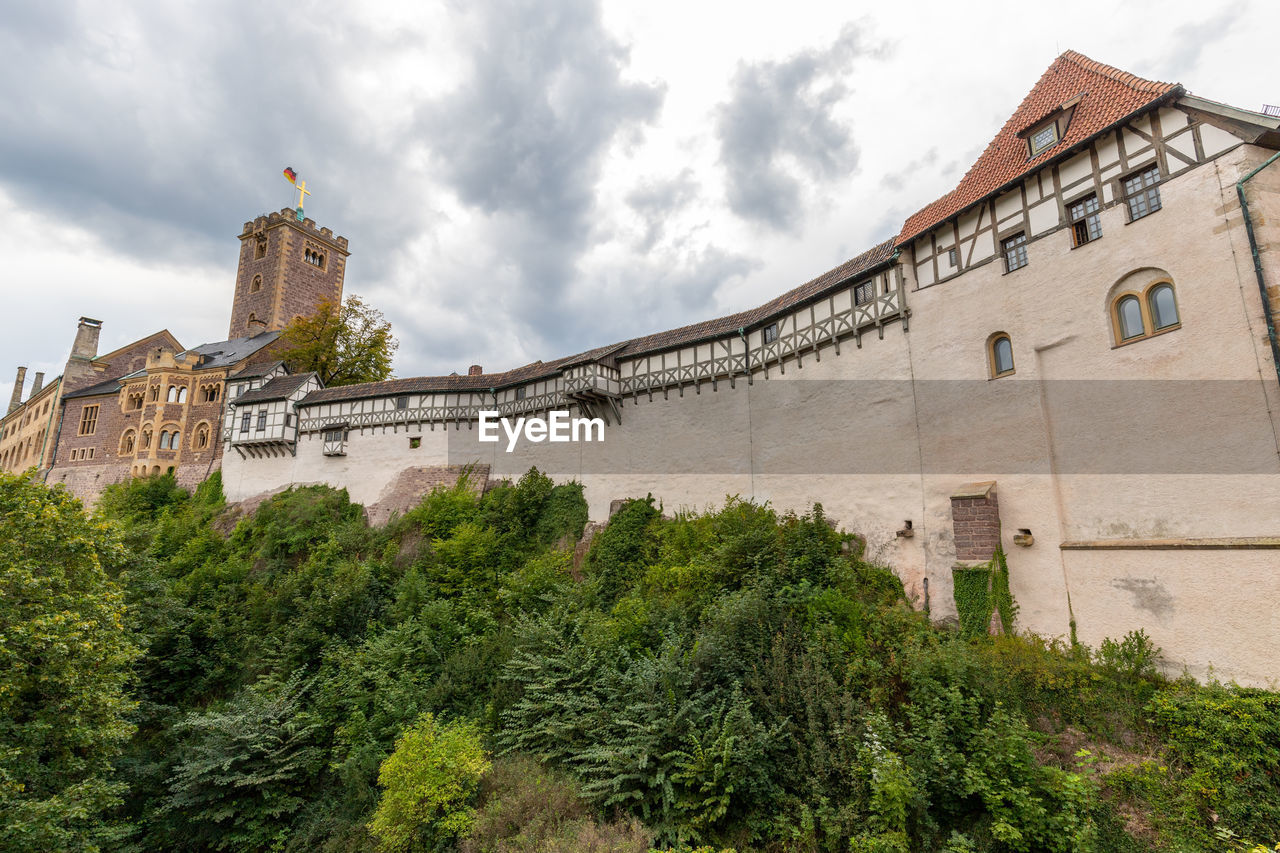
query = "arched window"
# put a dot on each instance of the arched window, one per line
(1164, 308)
(173, 439)
(202, 437)
(173, 394)
(146, 438)
(257, 284)
(1144, 304)
(1000, 355)
(155, 393)
(127, 442)
(164, 439)
(182, 395)
(1129, 316)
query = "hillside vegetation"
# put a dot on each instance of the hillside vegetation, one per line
(174, 676)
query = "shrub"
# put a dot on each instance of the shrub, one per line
(429, 785)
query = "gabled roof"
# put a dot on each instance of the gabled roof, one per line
(278, 388)
(1108, 96)
(683, 336)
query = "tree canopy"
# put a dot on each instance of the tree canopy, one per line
(345, 344)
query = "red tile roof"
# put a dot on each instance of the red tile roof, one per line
(1109, 96)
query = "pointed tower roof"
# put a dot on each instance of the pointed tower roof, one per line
(1098, 95)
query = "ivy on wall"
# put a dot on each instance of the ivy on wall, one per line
(982, 590)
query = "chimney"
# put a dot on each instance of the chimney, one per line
(475, 370)
(38, 384)
(16, 399)
(86, 345)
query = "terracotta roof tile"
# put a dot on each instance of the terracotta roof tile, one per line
(1108, 96)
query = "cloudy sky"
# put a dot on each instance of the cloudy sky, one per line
(518, 179)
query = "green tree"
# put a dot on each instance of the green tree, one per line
(429, 785)
(345, 344)
(64, 661)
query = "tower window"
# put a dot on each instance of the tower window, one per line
(1142, 193)
(256, 285)
(313, 257)
(1085, 224)
(1015, 251)
(260, 250)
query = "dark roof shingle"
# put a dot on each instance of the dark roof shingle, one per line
(278, 388)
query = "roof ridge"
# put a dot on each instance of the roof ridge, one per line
(1128, 78)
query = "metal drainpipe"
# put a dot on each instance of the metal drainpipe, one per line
(1257, 262)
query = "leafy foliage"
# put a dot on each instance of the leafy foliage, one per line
(428, 785)
(345, 344)
(737, 679)
(64, 660)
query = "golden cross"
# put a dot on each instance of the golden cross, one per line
(302, 191)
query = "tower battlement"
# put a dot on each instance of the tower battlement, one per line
(287, 269)
(288, 216)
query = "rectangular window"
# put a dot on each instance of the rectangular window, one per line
(1015, 251)
(415, 442)
(770, 333)
(1085, 224)
(1142, 193)
(288, 420)
(244, 421)
(335, 442)
(89, 420)
(91, 449)
(952, 259)
(520, 392)
(262, 420)
(402, 402)
(863, 293)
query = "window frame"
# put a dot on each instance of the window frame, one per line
(769, 334)
(1145, 311)
(88, 420)
(1147, 192)
(993, 370)
(1017, 244)
(1090, 219)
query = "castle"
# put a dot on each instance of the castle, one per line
(1072, 355)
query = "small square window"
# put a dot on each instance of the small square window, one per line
(402, 402)
(1015, 251)
(1044, 138)
(863, 293)
(415, 442)
(770, 333)
(1142, 193)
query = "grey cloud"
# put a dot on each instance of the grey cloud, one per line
(776, 131)
(523, 140)
(656, 201)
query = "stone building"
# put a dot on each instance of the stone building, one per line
(155, 406)
(1071, 355)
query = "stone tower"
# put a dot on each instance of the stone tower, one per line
(287, 269)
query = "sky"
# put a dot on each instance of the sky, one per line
(518, 180)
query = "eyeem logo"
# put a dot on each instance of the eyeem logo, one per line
(558, 427)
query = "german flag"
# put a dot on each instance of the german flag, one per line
(291, 175)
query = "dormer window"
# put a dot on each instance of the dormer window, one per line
(1044, 138)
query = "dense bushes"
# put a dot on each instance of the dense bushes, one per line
(735, 679)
